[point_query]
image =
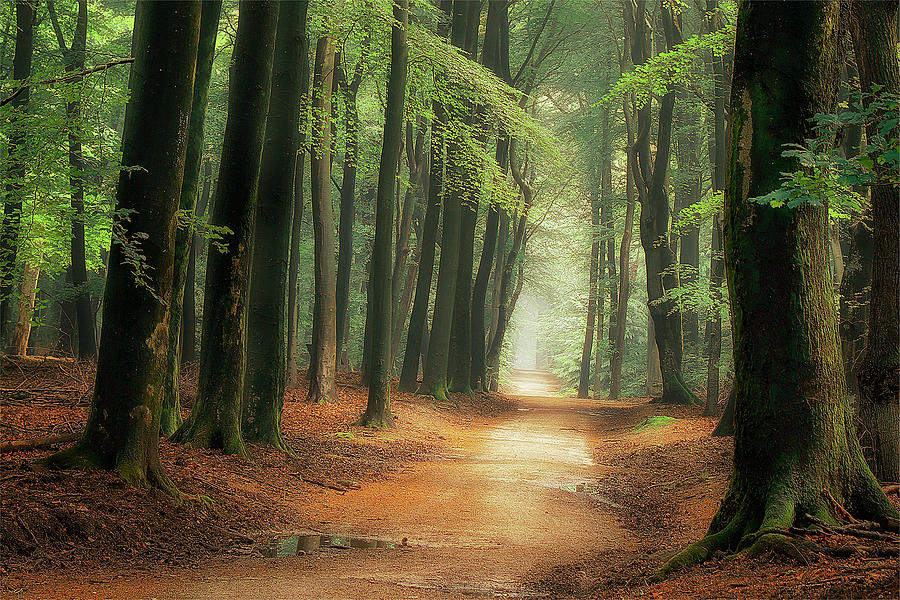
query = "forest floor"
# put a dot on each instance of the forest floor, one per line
(526, 495)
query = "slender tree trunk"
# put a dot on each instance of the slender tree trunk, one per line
(189, 318)
(122, 430)
(19, 344)
(378, 408)
(348, 206)
(418, 319)
(215, 420)
(322, 387)
(584, 378)
(293, 373)
(687, 190)
(794, 446)
(73, 62)
(15, 165)
(497, 275)
(654, 224)
(170, 417)
(267, 313)
(874, 29)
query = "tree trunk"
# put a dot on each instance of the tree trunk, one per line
(378, 408)
(15, 164)
(323, 359)
(293, 373)
(654, 224)
(654, 372)
(170, 418)
(348, 207)
(874, 29)
(418, 321)
(189, 318)
(584, 378)
(73, 62)
(794, 444)
(19, 344)
(267, 313)
(215, 420)
(122, 430)
(687, 191)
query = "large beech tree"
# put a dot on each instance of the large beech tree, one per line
(122, 430)
(267, 314)
(215, 420)
(795, 446)
(378, 408)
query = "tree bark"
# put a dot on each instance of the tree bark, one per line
(348, 207)
(323, 359)
(215, 420)
(267, 313)
(584, 379)
(189, 318)
(15, 164)
(122, 430)
(874, 30)
(22, 331)
(378, 408)
(794, 445)
(170, 417)
(293, 373)
(654, 224)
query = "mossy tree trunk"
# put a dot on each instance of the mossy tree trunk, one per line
(170, 418)
(323, 358)
(874, 29)
(794, 443)
(378, 408)
(15, 165)
(267, 313)
(73, 61)
(122, 430)
(215, 420)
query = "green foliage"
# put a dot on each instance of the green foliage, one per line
(825, 177)
(654, 422)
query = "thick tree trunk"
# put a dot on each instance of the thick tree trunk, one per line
(15, 165)
(170, 417)
(293, 373)
(687, 191)
(584, 378)
(378, 408)
(794, 446)
(215, 420)
(323, 359)
(267, 313)
(874, 29)
(122, 430)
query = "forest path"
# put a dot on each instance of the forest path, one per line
(504, 501)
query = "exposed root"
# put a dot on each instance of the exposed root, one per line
(380, 419)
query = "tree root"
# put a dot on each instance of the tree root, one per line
(381, 420)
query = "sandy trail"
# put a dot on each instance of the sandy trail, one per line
(502, 503)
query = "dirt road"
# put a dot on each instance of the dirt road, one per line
(506, 500)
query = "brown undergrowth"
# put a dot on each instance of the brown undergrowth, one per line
(52, 520)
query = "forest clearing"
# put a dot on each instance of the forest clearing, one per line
(450, 298)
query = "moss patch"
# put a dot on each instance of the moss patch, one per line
(654, 421)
